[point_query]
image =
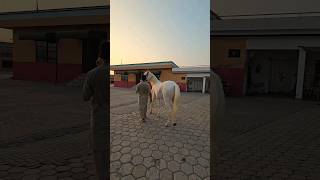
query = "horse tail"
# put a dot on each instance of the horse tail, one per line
(176, 99)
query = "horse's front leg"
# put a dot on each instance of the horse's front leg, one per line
(159, 107)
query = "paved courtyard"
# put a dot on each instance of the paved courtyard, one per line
(44, 135)
(152, 151)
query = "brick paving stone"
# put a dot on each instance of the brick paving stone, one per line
(125, 150)
(148, 162)
(135, 151)
(139, 171)
(126, 169)
(179, 176)
(137, 159)
(31, 177)
(114, 176)
(48, 178)
(173, 166)
(4, 167)
(130, 177)
(80, 175)
(125, 158)
(195, 177)
(186, 168)
(32, 171)
(203, 162)
(153, 173)
(156, 154)
(146, 153)
(165, 174)
(115, 156)
(63, 174)
(200, 171)
(48, 172)
(62, 168)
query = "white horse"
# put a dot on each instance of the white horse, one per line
(169, 91)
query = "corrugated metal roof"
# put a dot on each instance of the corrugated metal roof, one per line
(287, 25)
(144, 65)
(191, 70)
(67, 12)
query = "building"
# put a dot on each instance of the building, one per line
(269, 55)
(56, 42)
(189, 79)
(5, 49)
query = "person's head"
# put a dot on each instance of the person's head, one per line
(143, 78)
(104, 53)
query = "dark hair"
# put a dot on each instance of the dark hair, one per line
(143, 78)
(104, 50)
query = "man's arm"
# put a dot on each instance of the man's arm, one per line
(88, 90)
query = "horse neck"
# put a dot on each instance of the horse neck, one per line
(154, 81)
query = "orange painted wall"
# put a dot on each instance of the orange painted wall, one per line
(23, 50)
(219, 52)
(132, 78)
(168, 75)
(117, 77)
(70, 51)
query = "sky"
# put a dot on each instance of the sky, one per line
(160, 30)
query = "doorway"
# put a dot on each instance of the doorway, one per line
(90, 50)
(272, 72)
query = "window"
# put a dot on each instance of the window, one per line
(234, 53)
(6, 56)
(183, 78)
(46, 52)
(124, 77)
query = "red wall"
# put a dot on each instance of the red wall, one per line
(124, 84)
(183, 87)
(45, 71)
(234, 77)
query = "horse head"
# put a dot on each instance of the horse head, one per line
(148, 75)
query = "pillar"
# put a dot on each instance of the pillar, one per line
(300, 73)
(204, 85)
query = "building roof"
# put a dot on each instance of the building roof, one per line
(214, 15)
(306, 25)
(144, 66)
(53, 17)
(191, 70)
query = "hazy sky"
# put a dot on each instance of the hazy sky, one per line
(160, 30)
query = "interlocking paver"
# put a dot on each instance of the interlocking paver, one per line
(139, 171)
(153, 173)
(126, 169)
(253, 144)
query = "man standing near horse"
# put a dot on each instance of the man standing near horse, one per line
(95, 89)
(143, 89)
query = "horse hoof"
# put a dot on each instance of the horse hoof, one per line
(174, 124)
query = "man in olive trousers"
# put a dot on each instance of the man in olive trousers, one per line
(143, 89)
(95, 89)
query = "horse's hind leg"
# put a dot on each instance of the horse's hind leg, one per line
(169, 107)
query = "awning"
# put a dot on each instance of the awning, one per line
(53, 36)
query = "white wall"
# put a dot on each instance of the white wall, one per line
(6, 35)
